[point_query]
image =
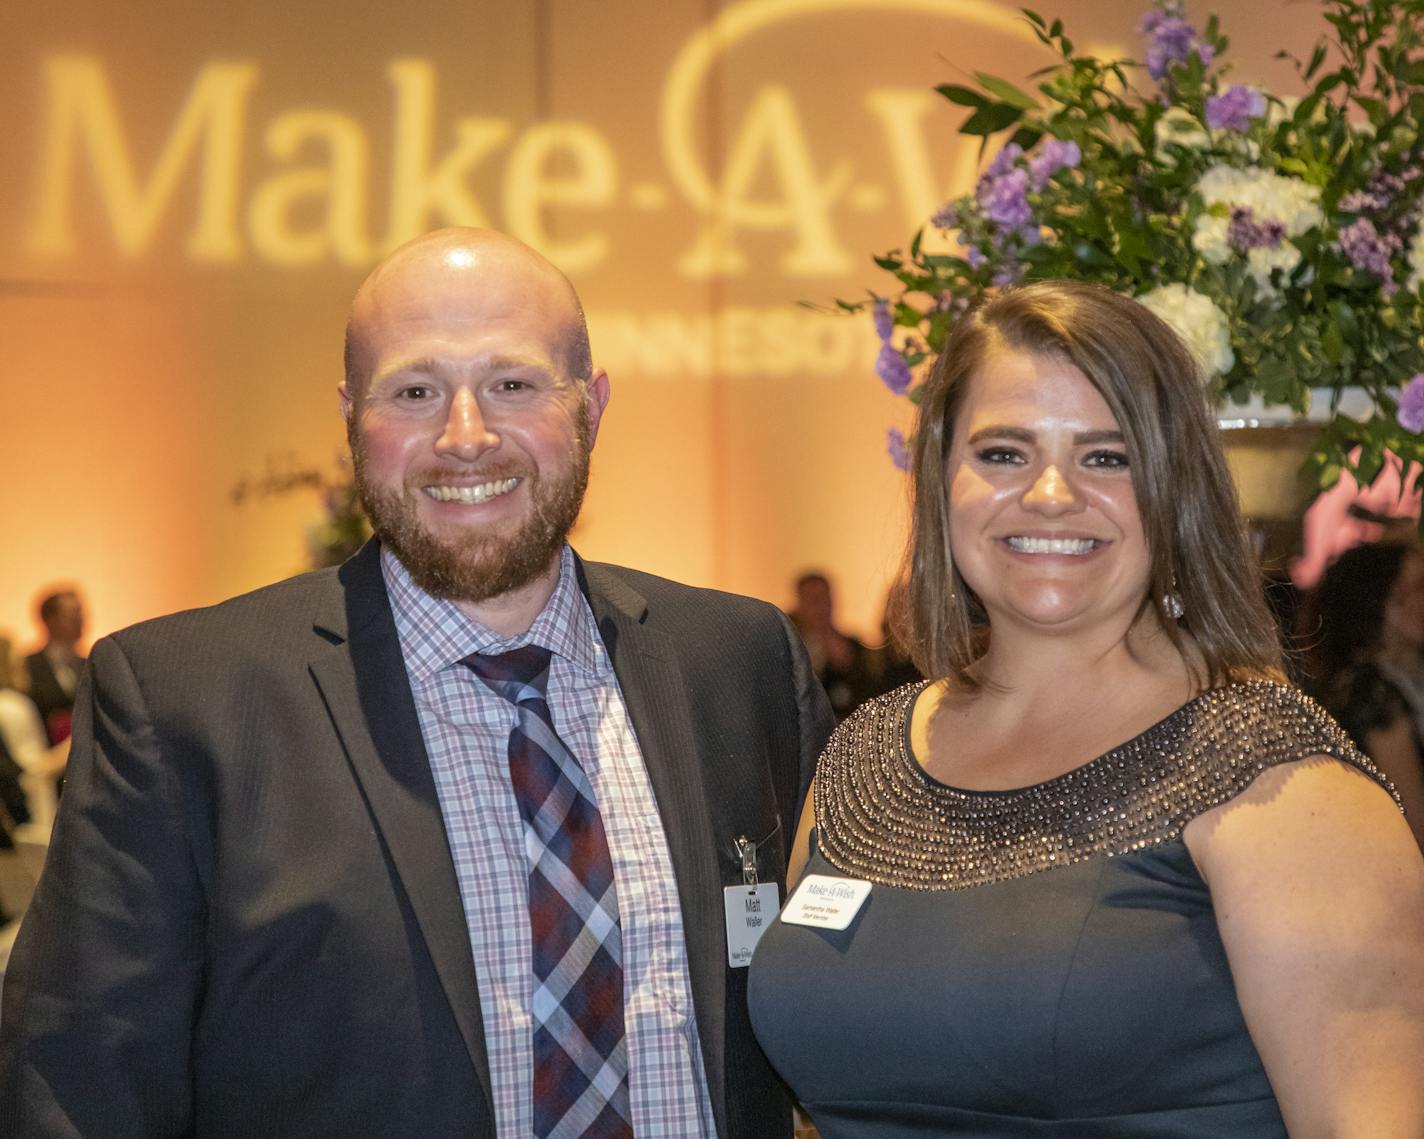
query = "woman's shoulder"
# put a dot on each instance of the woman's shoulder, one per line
(873, 731)
(1232, 734)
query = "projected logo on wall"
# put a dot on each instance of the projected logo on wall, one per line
(294, 213)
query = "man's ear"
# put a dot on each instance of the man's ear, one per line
(598, 392)
(348, 404)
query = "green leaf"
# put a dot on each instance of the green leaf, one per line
(1033, 17)
(1333, 343)
(1006, 91)
(964, 96)
(991, 120)
(1316, 59)
(1025, 137)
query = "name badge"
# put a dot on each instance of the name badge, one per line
(823, 902)
(749, 911)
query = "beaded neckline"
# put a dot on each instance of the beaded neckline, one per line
(882, 817)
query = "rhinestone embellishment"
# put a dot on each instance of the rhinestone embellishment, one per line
(880, 817)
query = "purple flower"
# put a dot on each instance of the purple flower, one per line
(884, 322)
(947, 217)
(1054, 155)
(1234, 108)
(1411, 405)
(1004, 161)
(1380, 193)
(899, 448)
(890, 366)
(1172, 41)
(1369, 251)
(975, 256)
(1005, 199)
(1245, 232)
(1171, 38)
(1010, 273)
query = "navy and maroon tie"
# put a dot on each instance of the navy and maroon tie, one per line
(580, 1047)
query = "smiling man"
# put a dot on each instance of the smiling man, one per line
(437, 843)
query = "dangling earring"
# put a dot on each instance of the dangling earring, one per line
(1172, 602)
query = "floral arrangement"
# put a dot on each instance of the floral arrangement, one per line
(1281, 236)
(342, 528)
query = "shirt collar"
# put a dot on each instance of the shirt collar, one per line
(434, 634)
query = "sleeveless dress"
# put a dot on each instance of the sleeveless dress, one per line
(1036, 962)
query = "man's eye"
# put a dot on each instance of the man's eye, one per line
(414, 392)
(511, 385)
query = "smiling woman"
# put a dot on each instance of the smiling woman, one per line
(1122, 879)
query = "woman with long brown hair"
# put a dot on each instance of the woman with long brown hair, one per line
(1110, 874)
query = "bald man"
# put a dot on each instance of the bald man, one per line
(442, 843)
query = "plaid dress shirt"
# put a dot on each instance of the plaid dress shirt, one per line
(466, 731)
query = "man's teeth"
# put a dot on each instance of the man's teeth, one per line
(1053, 545)
(472, 495)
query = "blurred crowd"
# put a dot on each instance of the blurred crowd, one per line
(36, 704)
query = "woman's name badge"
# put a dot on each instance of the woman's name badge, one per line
(750, 910)
(824, 902)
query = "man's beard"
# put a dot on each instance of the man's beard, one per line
(481, 564)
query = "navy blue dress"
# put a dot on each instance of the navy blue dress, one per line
(1037, 962)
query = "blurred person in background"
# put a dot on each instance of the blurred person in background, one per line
(28, 764)
(841, 662)
(54, 669)
(1364, 624)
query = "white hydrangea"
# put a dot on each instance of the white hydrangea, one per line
(1209, 238)
(1293, 202)
(1198, 321)
(1415, 256)
(1260, 263)
(1179, 126)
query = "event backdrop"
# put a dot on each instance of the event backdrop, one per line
(191, 193)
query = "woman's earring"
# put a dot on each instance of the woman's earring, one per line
(1172, 602)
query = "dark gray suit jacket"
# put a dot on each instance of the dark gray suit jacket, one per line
(249, 923)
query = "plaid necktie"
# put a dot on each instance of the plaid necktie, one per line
(580, 1048)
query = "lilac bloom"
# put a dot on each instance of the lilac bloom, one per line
(947, 217)
(890, 366)
(1172, 40)
(1358, 201)
(1369, 251)
(1010, 273)
(1234, 108)
(975, 256)
(899, 448)
(884, 322)
(1054, 155)
(1004, 161)
(1245, 232)
(1411, 405)
(1005, 199)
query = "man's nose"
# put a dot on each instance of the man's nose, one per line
(467, 434)
(1052, 492)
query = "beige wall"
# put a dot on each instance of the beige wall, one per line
(192, 192)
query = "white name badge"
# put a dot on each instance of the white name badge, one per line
(824, 902)
(749, 911)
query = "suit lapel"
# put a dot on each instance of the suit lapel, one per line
(655, 693)
(361, 675)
